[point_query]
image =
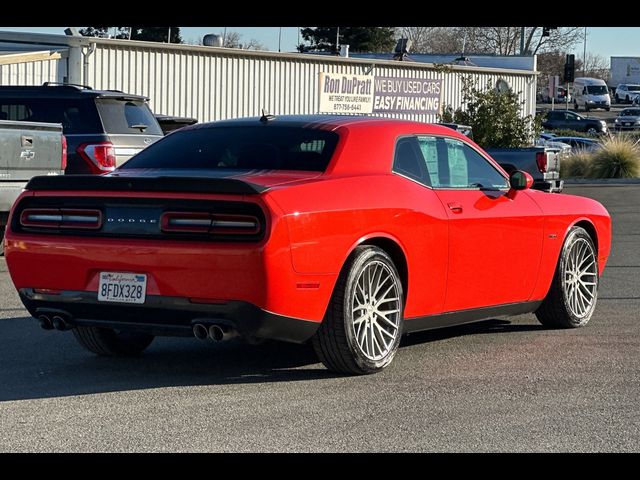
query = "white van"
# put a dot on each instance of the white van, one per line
(590, 93)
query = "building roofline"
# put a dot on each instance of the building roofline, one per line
(75, 41)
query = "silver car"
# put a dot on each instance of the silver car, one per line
(627, 92)
(628, 119)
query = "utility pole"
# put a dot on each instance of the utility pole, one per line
(279, 37)
(169, 37)
(584, 54)
(337, 39)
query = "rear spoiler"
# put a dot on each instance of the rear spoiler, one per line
(144, 184)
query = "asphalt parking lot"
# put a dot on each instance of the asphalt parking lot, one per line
(500, 385)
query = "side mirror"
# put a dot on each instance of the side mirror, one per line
(520, 180)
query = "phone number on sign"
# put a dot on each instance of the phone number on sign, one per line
(347, 107)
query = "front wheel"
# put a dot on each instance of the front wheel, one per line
(574, 290)
(111, 343)
(361, 331)
(592, 130)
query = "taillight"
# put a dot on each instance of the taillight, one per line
(202, 222)
(101, 157)
(61, 218)
(63, 160)
(541, 160)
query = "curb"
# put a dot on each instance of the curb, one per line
(602, 181)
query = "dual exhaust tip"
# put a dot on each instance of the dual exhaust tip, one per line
(54, 322)
(215, 333)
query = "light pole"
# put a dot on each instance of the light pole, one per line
(337, 39)
(279, 37)
(584, 54)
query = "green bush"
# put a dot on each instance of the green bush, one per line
(576, 165)
(494, 116)
(619, 157)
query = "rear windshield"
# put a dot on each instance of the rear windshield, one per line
(75, 115)
(630, 112)
(240, 148)
(127, 116)
(634, 88)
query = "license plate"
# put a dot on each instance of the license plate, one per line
(122, 287)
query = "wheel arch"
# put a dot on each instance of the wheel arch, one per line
(394, 249)
(589, 227)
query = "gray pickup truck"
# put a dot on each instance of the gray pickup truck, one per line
(542, 163)
(27, 149)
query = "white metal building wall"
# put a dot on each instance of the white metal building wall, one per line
(33, 72)
(213, 84)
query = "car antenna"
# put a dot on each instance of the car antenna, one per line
(266, 117)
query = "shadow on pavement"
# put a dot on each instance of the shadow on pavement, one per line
(44, 364)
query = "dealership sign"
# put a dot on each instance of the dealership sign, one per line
(346, 93)
(341, 93)
(406, 95)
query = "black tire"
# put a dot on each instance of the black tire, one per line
(336, 342)
(109, 343)
(2, 241)
(626, 99)
(608, 109)
(576, 106)
(617, 98)
(556, 310)
(592, 130)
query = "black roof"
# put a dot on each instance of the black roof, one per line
(49, 90)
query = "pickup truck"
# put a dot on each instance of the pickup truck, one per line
(542, 163)
(27, 149)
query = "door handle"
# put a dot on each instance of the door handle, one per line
(455, 207)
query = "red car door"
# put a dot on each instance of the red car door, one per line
(495, 239)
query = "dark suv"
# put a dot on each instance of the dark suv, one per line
(103, 128)
(566, 120)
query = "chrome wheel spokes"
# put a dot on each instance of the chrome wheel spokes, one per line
(580, 278)
(375, 308)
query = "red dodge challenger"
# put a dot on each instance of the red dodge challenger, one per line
(345, 231)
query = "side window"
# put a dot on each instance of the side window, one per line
(460, 166)
(16, 112)
(408, 160)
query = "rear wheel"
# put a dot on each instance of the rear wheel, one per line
(2, 241)
(111, 343)
(361, 331)
(572, 297)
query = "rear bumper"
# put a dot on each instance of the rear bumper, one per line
(552, 186)
(170, 316)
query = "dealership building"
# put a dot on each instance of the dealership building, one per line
(213, 83)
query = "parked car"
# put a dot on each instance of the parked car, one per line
(560, 95)
(568, 120)
(579, 143)
(627, 119)
(27, 149)
(170, 123)
(103, 128)
(346, 231)
(627, 92)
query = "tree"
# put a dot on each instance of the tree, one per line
(234, 40)
(494, 116)
(147, 34)
(359, 39)
(595, 66)
(493, 40)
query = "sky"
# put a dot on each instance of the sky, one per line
(604, 41)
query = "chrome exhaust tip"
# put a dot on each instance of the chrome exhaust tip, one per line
(200, 331)
(45, 322)
(60, 323)
(220, 333)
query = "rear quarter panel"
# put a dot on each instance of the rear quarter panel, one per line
(328, 219)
